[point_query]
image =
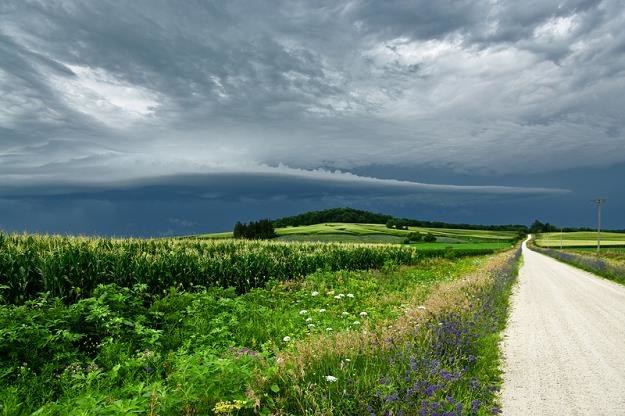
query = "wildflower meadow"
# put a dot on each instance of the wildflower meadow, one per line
(374, 330)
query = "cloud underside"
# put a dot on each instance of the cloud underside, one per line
(267, 183)
(155, 89)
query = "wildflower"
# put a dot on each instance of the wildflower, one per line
(356, 322)
(350, 295)
(340, 295)
(344, 313)
(228, 407)
(331, 379)
(286, 339)
(314, 293)
(303, 312)
(322, 310)
(363, 314)
(348, 360)
(337, 297)
(330, 293)
(311, 326)
(328, 329)
(309, 319)
(421, 307)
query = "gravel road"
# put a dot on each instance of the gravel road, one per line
(564, 347)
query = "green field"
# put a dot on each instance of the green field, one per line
(190, 327)
(580, 239)
(379, 233)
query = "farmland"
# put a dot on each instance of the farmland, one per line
(379, 233)
(580, 239)
(174, 326)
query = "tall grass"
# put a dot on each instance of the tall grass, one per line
(72, 267)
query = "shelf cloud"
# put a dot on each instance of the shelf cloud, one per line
(112, 95)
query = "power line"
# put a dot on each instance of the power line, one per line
(599, 202)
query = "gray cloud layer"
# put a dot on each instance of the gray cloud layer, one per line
(482, 86)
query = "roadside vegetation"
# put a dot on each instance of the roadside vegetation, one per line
(608, 263)
(170, 327)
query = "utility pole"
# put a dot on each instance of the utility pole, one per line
(599, 202)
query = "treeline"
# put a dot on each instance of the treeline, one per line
(350, 215)
(539, 227)
(255, 230)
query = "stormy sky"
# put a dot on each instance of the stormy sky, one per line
(157, 117)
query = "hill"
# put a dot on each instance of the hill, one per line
(350, 215)
(378, 233)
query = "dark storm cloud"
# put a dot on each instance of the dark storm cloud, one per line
(106, 94)
(361, 82)
(194, 204)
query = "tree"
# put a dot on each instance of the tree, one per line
(429, 238)
(255, 230)
(539, 227)
(239, 230)
(415, 236)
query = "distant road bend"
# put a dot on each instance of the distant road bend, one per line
(564, 347)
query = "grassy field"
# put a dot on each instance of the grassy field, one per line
(614, 252)
(377, 233)
(580, 239)
(150, 327)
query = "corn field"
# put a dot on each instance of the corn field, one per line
(71, 267)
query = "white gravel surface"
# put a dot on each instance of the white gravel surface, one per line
(564, 347)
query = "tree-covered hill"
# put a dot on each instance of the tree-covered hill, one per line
(350, 215)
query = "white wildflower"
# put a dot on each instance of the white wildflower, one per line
(328, 329)
(331, 379)
(345, 313)
(337, 297)
(421, 307)
(309, 319)
(286, 339)
(350, 295)
(363, 314)
(340, 295)
(356, 322)
(303, 312)
(311, 326)
(314, 293)
(322, 310)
